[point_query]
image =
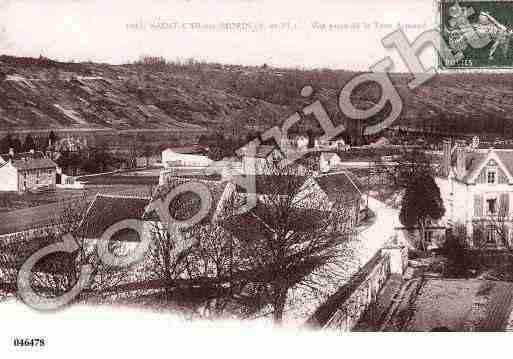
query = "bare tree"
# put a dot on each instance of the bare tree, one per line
(204, 277)
(291, 236)
(56, 273)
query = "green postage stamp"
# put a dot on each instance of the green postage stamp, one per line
(479, 32)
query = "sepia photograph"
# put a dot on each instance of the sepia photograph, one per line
(254, 177)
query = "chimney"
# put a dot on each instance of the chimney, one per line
(461, 156)
(446, 165)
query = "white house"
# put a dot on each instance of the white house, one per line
(336, 144)
(173, 158)
(477, 189)
(302, 142)
(328, 161)
(25, 171)
(262, 160)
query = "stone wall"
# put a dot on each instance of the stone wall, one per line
(343, 310)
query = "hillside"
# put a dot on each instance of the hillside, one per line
(41, 93)
(38, 94)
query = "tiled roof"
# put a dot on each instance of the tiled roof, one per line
(21, 155)
(27, 160)
(106, 210)
(262, 220)
(262, 151)
(193, 149)
(274, 184)
(340, 185)
(30, 164)
(188, 203)
(475, 158)
(506, 157)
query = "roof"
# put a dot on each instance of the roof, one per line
(106, 210)
(262, 151)
(274, 184)
(193, 149)
(186, 204)
(29, 160)
(475, 158)
(339, 185)
(262, 220)
(21, 155)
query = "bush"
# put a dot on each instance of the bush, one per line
(456, 252)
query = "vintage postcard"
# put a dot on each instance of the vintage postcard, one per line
(255, 178)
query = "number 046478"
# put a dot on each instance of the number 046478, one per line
(29, 342)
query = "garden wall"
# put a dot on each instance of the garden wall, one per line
(343, 310)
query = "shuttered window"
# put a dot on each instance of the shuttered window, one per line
(502, 177)
(504, 240)
(478, 205)
(504, 204)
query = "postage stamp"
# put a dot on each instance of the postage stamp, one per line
(480, 32)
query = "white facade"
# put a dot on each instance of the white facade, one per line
(261, 164)
(302, 143)
(328, 161)
(171, 159)
(8, 177)
(479, 197)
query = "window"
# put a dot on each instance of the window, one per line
(428, 237)
(490, 235)
(491, 205)
(491, 176)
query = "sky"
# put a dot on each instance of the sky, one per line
(248, 32)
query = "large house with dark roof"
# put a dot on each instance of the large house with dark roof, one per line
(21, 172)
(478, 193)
(306, 199)
(309, 191)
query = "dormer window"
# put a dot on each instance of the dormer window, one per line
(491, 176)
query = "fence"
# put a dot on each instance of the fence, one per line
(30, 233)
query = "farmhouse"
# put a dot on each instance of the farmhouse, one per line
(26, 171)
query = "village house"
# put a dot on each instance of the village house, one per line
(335, 144)
(335, 190)
(20, 172)
(477, 188)
(262, 160)
(184, 157)
(328, 161)
(182, 161)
